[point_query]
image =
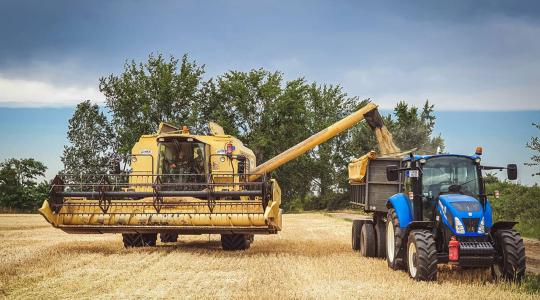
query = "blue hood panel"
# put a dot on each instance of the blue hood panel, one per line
(464, 207)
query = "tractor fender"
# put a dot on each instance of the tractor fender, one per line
(402, 206)
(500, 225)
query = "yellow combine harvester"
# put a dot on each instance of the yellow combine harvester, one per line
(184, 184)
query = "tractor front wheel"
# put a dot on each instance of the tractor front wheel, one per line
(394, 241)
(511, 255)
(422, 255)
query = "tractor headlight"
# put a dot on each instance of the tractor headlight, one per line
(481, 227)
(459, 226)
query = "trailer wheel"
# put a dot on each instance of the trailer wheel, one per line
(367, 241)
(168, 237)
(393, 241)
(232, 242)
(139, 239)
(511, 252)
(422, 255)
(380, 235)
(355, 236)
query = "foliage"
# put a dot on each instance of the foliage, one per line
(90, 137)
(146, 94)
(534, 144)
(413, 128)
(517, 202)
(19, 188)
(269, 114)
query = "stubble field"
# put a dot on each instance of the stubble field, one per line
(310, 258)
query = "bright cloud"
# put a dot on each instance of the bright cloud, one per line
(34, 93)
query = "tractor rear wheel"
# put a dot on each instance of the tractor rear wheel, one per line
(367, 240)
(355, 236)
(394, 241)
(422, 255)
(139, 239)
(232, 242)
(168, 237)
(511, 252)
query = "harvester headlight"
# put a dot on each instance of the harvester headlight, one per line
(459, 226)
(481, 227)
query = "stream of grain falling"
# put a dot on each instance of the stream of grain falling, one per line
(386, 141)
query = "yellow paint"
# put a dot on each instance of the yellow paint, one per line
(79, 215)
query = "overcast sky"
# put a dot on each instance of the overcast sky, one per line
(461, 55)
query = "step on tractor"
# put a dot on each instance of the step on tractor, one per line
(429, 210)
(180, 184)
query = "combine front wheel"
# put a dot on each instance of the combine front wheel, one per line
(168, 237)
(231, 242)
(139, 239)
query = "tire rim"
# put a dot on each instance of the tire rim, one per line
(412, 259)
(390, 242)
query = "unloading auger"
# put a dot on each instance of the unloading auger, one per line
(184, 184)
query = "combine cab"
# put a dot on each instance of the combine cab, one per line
(181, 183)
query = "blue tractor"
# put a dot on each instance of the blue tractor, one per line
(433, 209)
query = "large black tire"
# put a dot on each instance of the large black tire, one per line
(355, 235)
(380, 236)
(393, 236)
(511, 250)
(422, 255)
(139, 239)
(367, 241)
(232, 242)
(168, 237)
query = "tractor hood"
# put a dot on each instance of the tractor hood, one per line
(462, 206)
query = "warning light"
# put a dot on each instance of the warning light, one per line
(478, 150)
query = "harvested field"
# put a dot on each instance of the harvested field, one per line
(311, 258)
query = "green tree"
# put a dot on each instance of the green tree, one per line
(268, 115)
(534, 145)
(146, 94)
(413, 128)
(91, 138)
(18, 184)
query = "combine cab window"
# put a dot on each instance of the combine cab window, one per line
(182, 162)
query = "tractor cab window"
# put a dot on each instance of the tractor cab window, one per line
(450, 175)
(181, 161)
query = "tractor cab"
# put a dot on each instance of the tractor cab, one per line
(449, 187)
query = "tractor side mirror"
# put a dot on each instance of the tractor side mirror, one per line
(511, 170)
(392, 173)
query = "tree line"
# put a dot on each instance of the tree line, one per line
(266, 112)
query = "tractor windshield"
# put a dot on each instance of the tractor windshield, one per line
(450, 175)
